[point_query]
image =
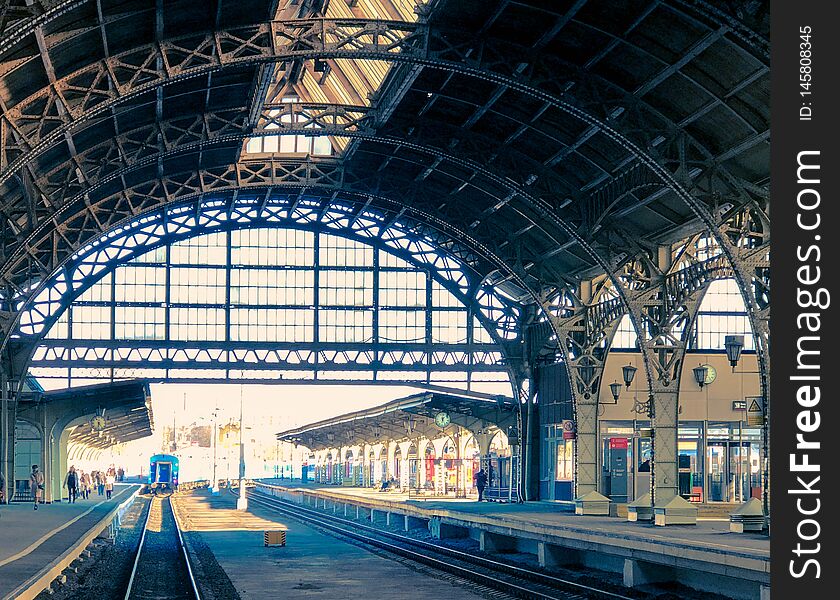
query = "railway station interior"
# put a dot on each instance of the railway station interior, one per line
(525, 246)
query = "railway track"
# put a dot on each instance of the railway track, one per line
(161, 567)
(499, 576)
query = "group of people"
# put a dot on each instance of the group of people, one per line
(77, 483)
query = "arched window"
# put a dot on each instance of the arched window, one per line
(199, 294)
(722, 312)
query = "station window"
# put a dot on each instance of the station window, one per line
(480, 334)
(443, 298)
(402, 288)
(722, 313)
(338, 325)
(139, 283)
(209, 249)
(61, 328)
(346, 288)
(272, 247)
(335, 251)
(625, 336)
(402, 325)
(392, 261)
(98, 292)
(193, 285)
(272, 287)
(272, 325)
(285, 286)
(449, 326)
(197, 324)
(90, 322)
(139, 323)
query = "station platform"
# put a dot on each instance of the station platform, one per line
(312, 564)
(31, 542)
(705, 556)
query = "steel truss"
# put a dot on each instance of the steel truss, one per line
(662, 159)
(320, 38)
(663, 301)
(497, 315)
(131, 73)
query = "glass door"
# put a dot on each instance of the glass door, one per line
(717, 467)
(641, 464)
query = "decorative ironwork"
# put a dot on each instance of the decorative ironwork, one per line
(186, 221)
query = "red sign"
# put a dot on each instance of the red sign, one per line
(618, 443)
(568, 430)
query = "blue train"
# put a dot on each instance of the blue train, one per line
(163, 472)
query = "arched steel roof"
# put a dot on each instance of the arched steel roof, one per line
(563, 137)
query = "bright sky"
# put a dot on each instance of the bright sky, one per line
(268, 409)
(287, 405)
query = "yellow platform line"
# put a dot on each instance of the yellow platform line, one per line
(28, 550)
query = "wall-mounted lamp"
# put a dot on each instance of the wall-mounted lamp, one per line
(700, 375)
(733, 344)
(615, 388)
(628, 372)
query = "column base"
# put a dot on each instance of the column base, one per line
(676, 511)
(592, 503)
(640, 509)
(748, 517)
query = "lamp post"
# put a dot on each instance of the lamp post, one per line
(214, 489)
(242, 501)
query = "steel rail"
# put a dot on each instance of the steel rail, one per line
(184, 553)
(139, 551)
(526, 575)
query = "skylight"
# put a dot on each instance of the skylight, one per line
(347, 82)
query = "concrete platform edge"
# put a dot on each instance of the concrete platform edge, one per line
(41, 580)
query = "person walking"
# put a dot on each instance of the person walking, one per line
(85, 485)
(109, 485)
(36, 484)
(481, 483)
(71, 482)
(100, 482)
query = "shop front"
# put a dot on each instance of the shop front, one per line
(717, 461)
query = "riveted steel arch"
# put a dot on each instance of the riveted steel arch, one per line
(233, 205)
(385, 50)
(464, 291)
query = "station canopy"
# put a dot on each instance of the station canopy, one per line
(126, 406)
(406, 418)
